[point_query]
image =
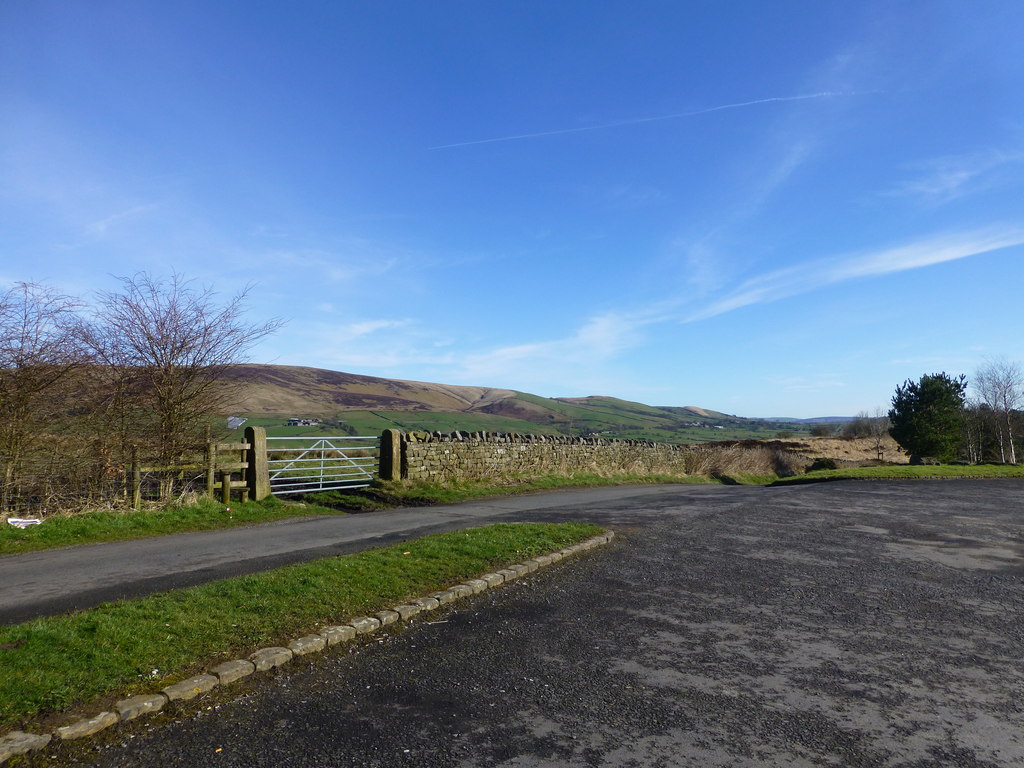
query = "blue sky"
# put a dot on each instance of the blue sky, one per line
(780, 208)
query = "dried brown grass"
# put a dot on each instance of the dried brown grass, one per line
(787, 457)
(852, 451)
(715, 460)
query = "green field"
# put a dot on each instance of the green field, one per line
(375, 422)
(605, 417)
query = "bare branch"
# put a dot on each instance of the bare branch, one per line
(41, 347)
(168, 345)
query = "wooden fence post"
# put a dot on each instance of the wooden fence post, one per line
(225, 486)
(136, 480)
(211, 469)
(258, 473)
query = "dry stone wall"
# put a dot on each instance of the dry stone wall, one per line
(457, 456)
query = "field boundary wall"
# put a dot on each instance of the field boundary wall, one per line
(457, 456)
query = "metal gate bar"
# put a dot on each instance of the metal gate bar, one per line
(310, 464)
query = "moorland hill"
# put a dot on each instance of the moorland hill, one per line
(365, 404)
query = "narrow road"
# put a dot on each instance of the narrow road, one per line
(72, 578)
(848, 624)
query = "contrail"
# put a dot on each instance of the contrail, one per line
(637, 120)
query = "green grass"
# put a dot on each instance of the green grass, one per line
(429, 421)
(611, 411)
(908, 472)
(359, 500)
(54, 664)
(100, 526)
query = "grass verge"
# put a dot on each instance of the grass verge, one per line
(908, 472)
(116, 525)
(55, 664)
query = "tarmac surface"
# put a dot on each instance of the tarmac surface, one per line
(842, 624)
(73, 578)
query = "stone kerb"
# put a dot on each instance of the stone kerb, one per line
(16, 743)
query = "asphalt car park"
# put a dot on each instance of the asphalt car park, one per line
(843, 624)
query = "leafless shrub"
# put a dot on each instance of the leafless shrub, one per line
(143, 377)
(40, 349)
(165, 346)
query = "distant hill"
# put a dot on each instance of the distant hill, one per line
(319, 392)
(269, 394)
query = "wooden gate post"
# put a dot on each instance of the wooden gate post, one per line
(258, 473)
(391, 455)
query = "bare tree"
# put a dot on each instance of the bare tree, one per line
(874, 426)
(859, 426)
(166, 346)
(1000, 386)
(40, 348)
(973, 426)
(878, 426)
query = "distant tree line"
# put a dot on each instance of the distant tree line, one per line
(942, 417)
(85, 387)
(947, 418)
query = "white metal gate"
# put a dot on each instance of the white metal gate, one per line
(310, 464)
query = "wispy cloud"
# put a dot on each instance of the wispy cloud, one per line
(822, 272)
(100, 226)
(349, 261)
(590, 355)
(582, 356)
(380, 345)
(638, 120)
(707, 267)
(949, 178)
(366, 327)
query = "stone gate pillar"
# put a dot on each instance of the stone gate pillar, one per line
(391, 454)
(257, 474)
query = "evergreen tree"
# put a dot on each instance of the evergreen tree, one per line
(926, 416)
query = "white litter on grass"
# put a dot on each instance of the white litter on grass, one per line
(23, 522)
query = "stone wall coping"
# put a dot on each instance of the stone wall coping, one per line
(516, 437)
